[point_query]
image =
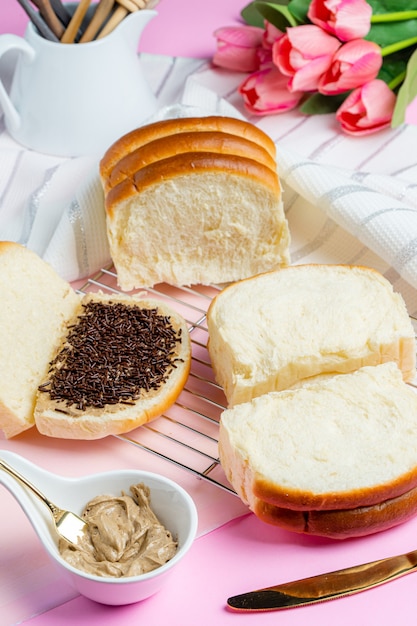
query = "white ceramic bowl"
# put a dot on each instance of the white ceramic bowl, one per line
(170, 502)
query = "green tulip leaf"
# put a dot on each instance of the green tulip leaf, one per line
(394, 66)
(388, 33)
(318, 104)
(407, 92)
(299, 9)
(251, 15)
(392, 6)
(275, 13)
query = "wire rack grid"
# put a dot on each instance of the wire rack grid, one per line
(189, 429)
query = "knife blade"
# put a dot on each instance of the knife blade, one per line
(327, 586)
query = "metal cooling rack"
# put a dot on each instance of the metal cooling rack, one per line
(191, 425)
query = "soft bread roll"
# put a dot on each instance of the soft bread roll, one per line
(197, 217)
(88, 395)
(165, 147)
(35, 305)
(335, 458)
(173, 127)
(278, 329)
(126, 367)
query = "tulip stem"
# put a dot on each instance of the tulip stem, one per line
(398, 16)
(397, 81)
(399, 45)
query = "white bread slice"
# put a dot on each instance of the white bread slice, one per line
(275, 330)
(173, 127)
(35, 305)
(198, 217)
(341, 444)
(137, 346)
(197, 141)
(38, 308)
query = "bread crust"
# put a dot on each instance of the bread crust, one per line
(171, 145)
(55, 419)
(342, 523)
(283, 497)
(185, 164)
(141, 136)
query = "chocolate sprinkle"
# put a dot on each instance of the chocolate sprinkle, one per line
(114, 353)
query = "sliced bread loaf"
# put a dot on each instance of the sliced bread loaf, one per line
(336, 457)
(193, 200)
(198, 217)
(275, 330)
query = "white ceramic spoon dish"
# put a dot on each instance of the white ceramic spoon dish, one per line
(170, 502)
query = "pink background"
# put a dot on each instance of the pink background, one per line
(244, 554)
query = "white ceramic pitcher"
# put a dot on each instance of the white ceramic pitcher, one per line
(76, 99)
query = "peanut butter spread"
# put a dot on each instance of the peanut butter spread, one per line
(124, 537)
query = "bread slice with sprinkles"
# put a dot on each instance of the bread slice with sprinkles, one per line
(83, 367)
(122, 363)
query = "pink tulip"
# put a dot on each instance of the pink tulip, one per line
(346, 19)
(304, 54)
(264, 58)
(355, 63)
(271, 35)
(237, 48)
(266, 92)
(367, 109)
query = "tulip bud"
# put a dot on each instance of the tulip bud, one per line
(237, 48)
(355, 63)
(346, 19)
(304, 54)
(266, 92)
(367, 109)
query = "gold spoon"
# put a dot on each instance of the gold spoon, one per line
(69, 526)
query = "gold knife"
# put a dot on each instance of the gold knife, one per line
(343, 582)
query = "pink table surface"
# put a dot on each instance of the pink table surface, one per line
(245, 553)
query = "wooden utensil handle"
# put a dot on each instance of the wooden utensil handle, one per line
(75, 23)
(125, 7)
(119, 14)
(101, 13)
(50, 17)
(132, 5)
